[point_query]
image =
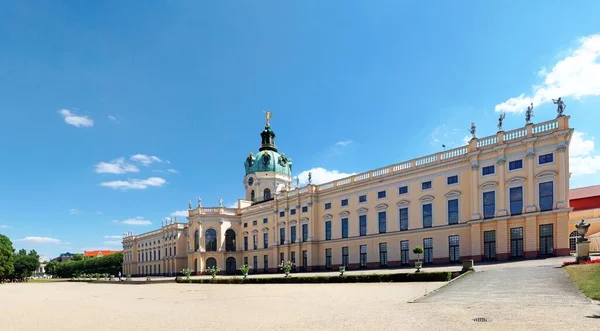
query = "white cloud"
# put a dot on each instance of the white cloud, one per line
(583, 159)
(180, 213)
(136, 184)
(73, 211)
(112, 118)
(575, 76)
(145, 160)
(443, 135)
(465, 140)
(321, 175)
(76, 120)
(232, 205)
(173, 171)
(134, 221)
(116, 166)
(113, 237)
(4, 226)
(113, 242)
(39, 240)
(343, 143)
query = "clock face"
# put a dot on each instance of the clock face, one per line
(250, 181)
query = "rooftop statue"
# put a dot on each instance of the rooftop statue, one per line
(473, 129)
(529, 114)
(268, 115)
(560, 106)
(500, 120)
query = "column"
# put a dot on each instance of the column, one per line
(502, 243)
(501, 191)
(563, 180)
(530, 239)
(475, 191)
(476, 242)
(530, 201)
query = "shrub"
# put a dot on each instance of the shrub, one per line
(342, 270)
(244, 269)
(374, 278)
(286, 267)
(187, 272)
(213, 271)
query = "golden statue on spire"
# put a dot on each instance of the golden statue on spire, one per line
(268, 115)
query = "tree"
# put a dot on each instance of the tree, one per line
(7, 258)
(77, 257)
(51, 268)
(418, 250)
(25, 264)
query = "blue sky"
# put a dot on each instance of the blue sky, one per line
(162, 103)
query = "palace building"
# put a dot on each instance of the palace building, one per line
(500, 197)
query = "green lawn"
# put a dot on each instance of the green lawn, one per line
(52, 280)
(587, 278)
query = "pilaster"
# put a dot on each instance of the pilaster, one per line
(530, 205)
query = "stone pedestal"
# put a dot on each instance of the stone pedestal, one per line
(467, 265)
(583, 251)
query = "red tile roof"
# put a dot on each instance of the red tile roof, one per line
(584, 192)
(99, 253)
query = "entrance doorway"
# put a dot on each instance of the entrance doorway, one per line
(230, 267)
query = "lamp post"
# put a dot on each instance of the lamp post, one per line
(583, 245)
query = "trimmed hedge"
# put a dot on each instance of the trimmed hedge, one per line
(374, 278)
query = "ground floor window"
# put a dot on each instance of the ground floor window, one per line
(573, 240)
(159, 268)
(383, 254)
(404, 257)
(489, 245)
(546, 239)
(305, 259)
(516, 242)
(428, 250)
(328, 258)
(345, 256)
(255, 264)
(282, 257)
(266, 263)
(454, 248)
(293, 257)
(245, 260)
(363, 255)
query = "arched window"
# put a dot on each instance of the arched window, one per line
(196, 241)
(267, 194)
(211, 262)
(210, 238)
(230, 240)
(252, 195)
(573, 240)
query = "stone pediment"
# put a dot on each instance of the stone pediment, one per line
(362, 211)
(546, 174)
(427, 198)
(327, 216)
(452, 194)
(489, 184)
(403, 203)
(381, 206)
(516, 180)
(345, 213)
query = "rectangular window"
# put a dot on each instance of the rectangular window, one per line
(328, 205)
(427, 215)
(383, 255)
(344, 228)
(265, 220)
(281, 213)
(344, 202)
(426, 185)
(174, 250)
(245, 243)
(282, 257)
(381, 194)
(546, 158)
(304, 232)
(293, 257)
(266, 240)
(293, 211)
(328, 230)
(266, 263)
(382, 217)
(453, 211)
(255, 241)
(305, 259)
(489, 170)
(489, 245)
(254, 223)
(489, 204)
(304, 209)
(403, 214)
(454, 245)
(516, 200)
(546, 239)
(159, 254)
(328, 258)
(362, 223)
(281, 236)
(404, 257)
(546, 196)
(516, 242)
(363, 255)
(428, 250)
(255, 264)
(403, 190)
(451, 180)
(293, 233)
(245, 225)
(154, 255)
(245, 260)
(515, 165)
(345, 260)
(362, 198)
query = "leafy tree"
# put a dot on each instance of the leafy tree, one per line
(418, 250)
(25, 264)
(6, 257)
(51, 268)
(77, 257)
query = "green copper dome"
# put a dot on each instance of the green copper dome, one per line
(268, 158)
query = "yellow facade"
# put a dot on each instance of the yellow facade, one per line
(500, 197)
